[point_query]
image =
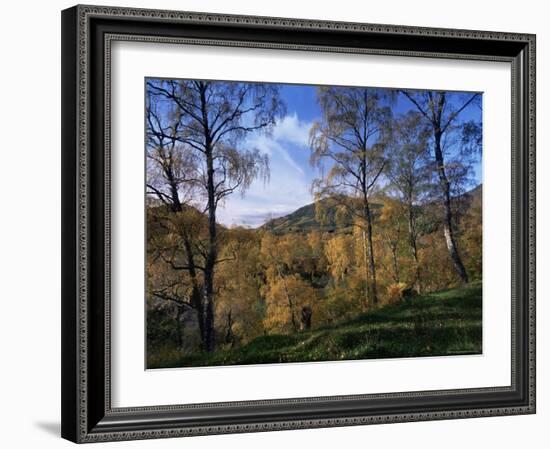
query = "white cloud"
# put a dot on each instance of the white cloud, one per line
(289, 185)
(292, 129)
(272, 147)
(289, 131)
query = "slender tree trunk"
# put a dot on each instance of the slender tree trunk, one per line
(368, 219)
(366, 262)
(196, 296)
(208, 307)
(368, 216)
(448, 218)
(229, 336)
(393, 249)
(212, 253)
(306, 318)
(417, 281)
(414, 248)
(176, 203)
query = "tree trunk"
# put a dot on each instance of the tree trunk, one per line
(366, 261)
(448, 219)
(393, 249)
(306, 318)
(212, 253)
(414, 248)
(229, 336)
(196, 296)
(208, 307)
(371, 253)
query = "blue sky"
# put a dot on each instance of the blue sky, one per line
(291, 173)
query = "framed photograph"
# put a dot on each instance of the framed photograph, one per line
(283, 223)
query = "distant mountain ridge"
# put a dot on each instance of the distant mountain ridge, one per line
(305, 218)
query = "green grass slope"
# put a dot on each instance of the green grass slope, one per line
(443, 323)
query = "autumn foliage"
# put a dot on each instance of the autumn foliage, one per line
(266, 280)
(394, 214)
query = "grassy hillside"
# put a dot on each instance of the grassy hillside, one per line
(443, 323)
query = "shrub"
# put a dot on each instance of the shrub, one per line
(394, 292)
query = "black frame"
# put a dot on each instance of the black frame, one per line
(87, 32)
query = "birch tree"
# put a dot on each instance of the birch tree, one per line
(441, 110)
(409, 171)
(350, 142)
(213, 121)
(173, 235)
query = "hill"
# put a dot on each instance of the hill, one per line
(437, 324)
(305, 218)
(475, 194)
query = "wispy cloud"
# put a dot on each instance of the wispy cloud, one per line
(289, 185)
(275, 149)
(288, 133)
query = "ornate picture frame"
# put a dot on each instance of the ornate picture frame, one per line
(87, 35)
